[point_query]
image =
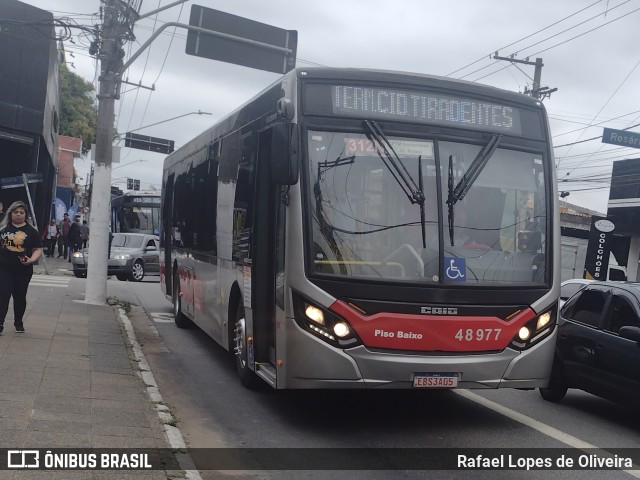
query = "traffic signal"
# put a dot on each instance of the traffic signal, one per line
(129, 183)
(136, 184)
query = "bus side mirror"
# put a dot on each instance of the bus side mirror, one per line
(284, 154)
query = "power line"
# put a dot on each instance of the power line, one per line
(523, 38)
(144, 113)
(544, 40)
(590, 139)
(589, 124)
(557, 44)
(603, 106)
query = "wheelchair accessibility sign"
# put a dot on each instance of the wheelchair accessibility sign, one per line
(455, 269)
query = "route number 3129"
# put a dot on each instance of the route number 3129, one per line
(478, 334)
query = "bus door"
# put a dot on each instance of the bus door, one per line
(165, 239)
(264, 275)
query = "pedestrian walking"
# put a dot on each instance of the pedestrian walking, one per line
(51, 237)
(20, 248)
(84, 233)
(63, 239)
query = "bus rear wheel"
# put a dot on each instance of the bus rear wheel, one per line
(180, 318)
(247, 377)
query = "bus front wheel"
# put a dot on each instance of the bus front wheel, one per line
(247, 377)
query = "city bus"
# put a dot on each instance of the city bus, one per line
(352, 228)
(136, 212)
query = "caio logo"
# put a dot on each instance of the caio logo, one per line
(438, 310)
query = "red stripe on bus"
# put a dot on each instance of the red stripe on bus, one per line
(446, 333)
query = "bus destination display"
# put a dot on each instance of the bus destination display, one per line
(409, 105)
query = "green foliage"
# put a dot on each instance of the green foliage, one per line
(78, 116)
(123, 304)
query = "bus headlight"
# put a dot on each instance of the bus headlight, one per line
(543, 320)
(314, 314)
(535, 329)
(323, 323)
(341, 329)
(524, 333)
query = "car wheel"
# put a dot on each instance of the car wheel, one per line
(557, 388)
(247, 377)
(122, 278)
(79, 274)
(180, 318)
(137, 271)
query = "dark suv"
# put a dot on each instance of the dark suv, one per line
(598, 346)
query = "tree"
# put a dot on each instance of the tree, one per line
(78, 116)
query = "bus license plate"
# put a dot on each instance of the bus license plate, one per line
(435, 380)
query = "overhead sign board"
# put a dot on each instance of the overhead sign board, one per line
(621, 137)
(151, 144)
(238, 40)
(14, 182)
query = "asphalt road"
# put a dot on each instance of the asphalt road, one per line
(197, 379)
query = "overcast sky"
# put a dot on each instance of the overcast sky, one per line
(589, 49)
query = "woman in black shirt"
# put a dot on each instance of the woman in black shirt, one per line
(20, 248)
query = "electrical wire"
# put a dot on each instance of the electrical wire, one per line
(557, 44)
(164, 61)
(524, 38)
(599, 111)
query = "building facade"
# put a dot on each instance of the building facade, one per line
(29, 104)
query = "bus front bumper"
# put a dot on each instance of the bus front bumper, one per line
(312, 363)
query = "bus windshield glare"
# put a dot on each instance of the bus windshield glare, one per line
(363, 225)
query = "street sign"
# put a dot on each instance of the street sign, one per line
(15, 182)
(621, 137)
(241, 41)
(151, 144)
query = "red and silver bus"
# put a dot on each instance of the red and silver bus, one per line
(369, 229)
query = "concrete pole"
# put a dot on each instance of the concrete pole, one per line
(96, 290)
(537, 75)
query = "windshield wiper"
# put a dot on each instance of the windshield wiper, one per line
(470, 176)
(399, 172)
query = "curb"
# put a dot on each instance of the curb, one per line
(174, 435)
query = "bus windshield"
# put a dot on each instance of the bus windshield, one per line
(364, 225)
(140, 219)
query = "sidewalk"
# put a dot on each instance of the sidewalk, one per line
(73, 380)
(55, 266)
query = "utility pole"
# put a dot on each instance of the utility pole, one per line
(536, 91)
(116, 28)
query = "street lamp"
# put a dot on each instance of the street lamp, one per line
(199, 112)
(130, 163)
